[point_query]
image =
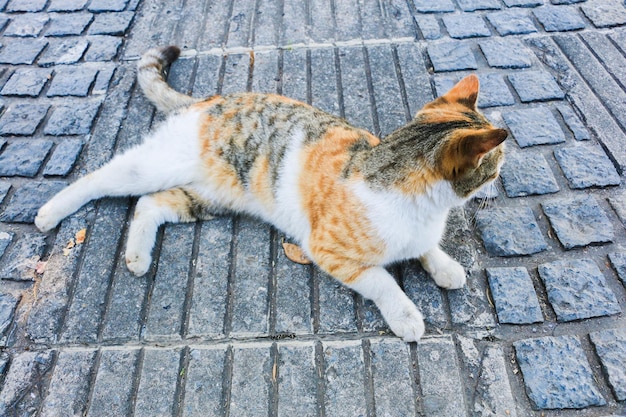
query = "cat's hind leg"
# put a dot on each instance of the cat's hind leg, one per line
(445, 271)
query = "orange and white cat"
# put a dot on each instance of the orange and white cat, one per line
(353, 202)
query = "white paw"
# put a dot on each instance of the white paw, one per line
(138, 264)
(450, 276)
(405, 321)
(46, 220)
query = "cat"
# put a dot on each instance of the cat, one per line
(353, 202)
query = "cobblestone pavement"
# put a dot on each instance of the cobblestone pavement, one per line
(224, 324)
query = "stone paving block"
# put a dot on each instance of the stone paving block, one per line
(249, 395)
(322, 29)
(22, 119)
(214, 29)
(398, 20)
(415, 76)
(426, 295)
(207, 76)
(63, 158)
(426, 6)
(26, 5)
(293, 282)
(451, 56)
(102, 48)
(566, 1)
(294, 79)
(523, 3)
(577, 290)
(534, 126)
(72, 119)
(556, 373)
(24, 384)
(24, 158)
(336, 305)
(618, 260)
(535, 86)
(72, 81)
(586, 166)
(510, 231)
(5, 238)
(618, 202)
(607, 13)
(26, 25)
(265, 75)
(514, 295)
(506, 53)
(239, 23)
(8, 303)
(473, 5)
(559, 19)
(98, 6)
(68, 392)
(512, 22)
(346, 27)
(323, 81)
(156, 394)
(578, 222)
(461, 26)
(26, 82)
(21, 51)
(66, 5)
(297, 380)
(113, 387)
(110, 23)
(27, 199)
(493, 392)
(440, 378)
(63, 51)
(357, 107)
(203, 390)
(391, 365)
(344, 369)
(21, 259)
(267, 23)
(574, 124)
(4, 20)
(372, 21)
(236, 73)
(68, 24)
(210, 289)
(527, 173)
(293, 28)
(611, 348)
(428, 26)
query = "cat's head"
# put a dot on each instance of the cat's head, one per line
(468, 151)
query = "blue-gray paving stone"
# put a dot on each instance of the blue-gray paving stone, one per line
(611, 348)
(566, 1)
(27, 25)
(618, 202)
(429, 6)
(63, 51)
(110, 23)
(506, 53)
(510, 231)
(72, 119)
(618, 260)
(391, 372)
(107, 5)
(21, 51)
(68, 24)
(535, 126)
(586, 166)
(102, 48)
(297, 385)
(514, 295)
(559, 19)
(426, 295)
(512, 22)
(451, 56)
(22, 119)
(72, 81)
(526, 173)
(26, 82)
(21, 258)
(63, 158)
(66, 5)
(556, 373)
(462, 26)
(472, 5)
(578, 290)
(24, 158)
(3, 20)
(578, 222)
(523, 3)
(4, 190)
(428, 26)
(607, 13)
(536, 86)
(5, 240)
(8, 302)
(26, 5)
(574, 124)
(203, 397)
(27, 199)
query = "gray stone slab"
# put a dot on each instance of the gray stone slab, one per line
(68, 392)
(297, 380)
(426, 6)
(21, 51)
(586, 166)
(574, 124)
(398, 20)
(63, 51)
(618, 202)
(606, 13)
(239, 30)
(372, 20)
(294, 77)
(27, 25)
(428, 26)
(156, 394)
(215, 29)
(22, 119)
(26, 82)
(324, 93)
(556, 373)
(451, 56)
(618, 260)
(265, 74)
(607, 49)
(461, 26)
(473, 5)
(111, 23)
(207, 76)
(66, 5)
(8, 303)
(252, 369)
(4, 190)
(506, 53)
(440, 377)
(72, 81)
(72, 119)
(26, 5)
(21, 259)
(510, 231)
(512, 22)
(63, 158)
(559, 19)
(203, 388)
(514, 295)
(392, 378)
(346, 26)
(493, 392)
(292, 31)
(102, 48)
(24, 158)
(534, 126)
(536, 86)
(113, 387)
(356, 98)
(165, 313)
(611, 348)
(267, 23)
(27, 199)
(578, 222)
(426, 295)
(527, 173)
(344, 369)
(107, 5)
(5, 238)
(336, 306)
(68, 24)
(236, 73)
(322, 28)
(578, 290)
(415, 77)
(523, 3)
(208, 300)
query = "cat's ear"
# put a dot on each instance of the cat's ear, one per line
(475, 144)
(464, 92)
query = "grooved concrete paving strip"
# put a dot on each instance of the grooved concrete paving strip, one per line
(224, 323)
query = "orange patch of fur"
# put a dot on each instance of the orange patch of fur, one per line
(416, 182)
(261, 185)
(176, 200)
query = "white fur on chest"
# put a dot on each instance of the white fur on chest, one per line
(409, 226)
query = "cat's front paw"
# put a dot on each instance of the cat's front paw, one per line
(405, 321)
(137, 263)
(46, 220)
(451, 276)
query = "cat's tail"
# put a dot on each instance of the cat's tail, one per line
(152, 82)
